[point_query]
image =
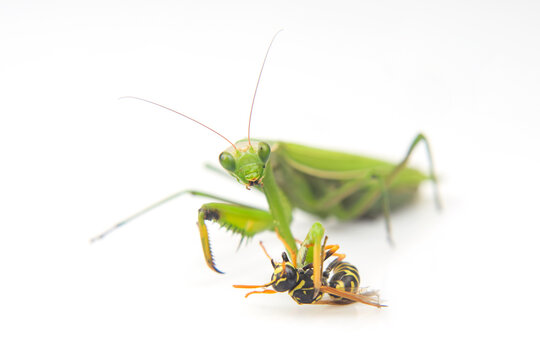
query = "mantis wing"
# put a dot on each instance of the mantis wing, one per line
(325, 182)
(336, 165)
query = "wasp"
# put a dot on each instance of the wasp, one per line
(306, 282)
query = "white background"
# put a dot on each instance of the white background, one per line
(361, 76)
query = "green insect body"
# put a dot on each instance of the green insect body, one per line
(306, 283)
(321, 182)
(330, 183)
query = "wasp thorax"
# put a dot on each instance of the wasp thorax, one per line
(284, 278)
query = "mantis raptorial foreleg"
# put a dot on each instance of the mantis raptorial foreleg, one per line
(244, 220)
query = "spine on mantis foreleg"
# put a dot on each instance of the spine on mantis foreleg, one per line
(281, 210)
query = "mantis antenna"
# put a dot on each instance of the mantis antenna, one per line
(257, 86)
(179, 113)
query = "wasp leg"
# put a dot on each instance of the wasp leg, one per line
(266, 291)
(331, 251)
(292, 253)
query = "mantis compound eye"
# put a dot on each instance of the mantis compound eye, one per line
(284, 278)
(227, 161)
(263, 151)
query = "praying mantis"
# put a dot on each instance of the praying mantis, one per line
(321, 182)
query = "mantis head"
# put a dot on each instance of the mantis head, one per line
(246, 161)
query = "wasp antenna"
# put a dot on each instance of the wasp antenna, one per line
(179, 113)
(257, 86)
(255, 286)
(265, 252)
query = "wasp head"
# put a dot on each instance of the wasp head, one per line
(285, 276)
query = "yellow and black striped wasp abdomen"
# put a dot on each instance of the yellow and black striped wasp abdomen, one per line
(345, 278)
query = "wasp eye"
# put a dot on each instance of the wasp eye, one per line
(227, 161)
(264, 151)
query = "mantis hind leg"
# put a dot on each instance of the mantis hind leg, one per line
(379, 189)
(382, 182)
(403, 164)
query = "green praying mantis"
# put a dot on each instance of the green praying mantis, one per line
(321, 182)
